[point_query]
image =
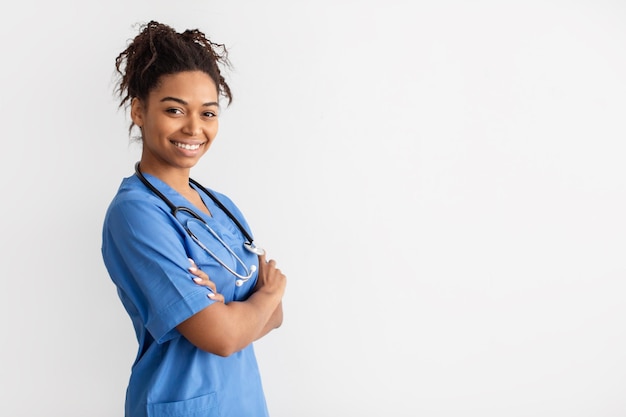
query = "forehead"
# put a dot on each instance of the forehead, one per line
(188, 85)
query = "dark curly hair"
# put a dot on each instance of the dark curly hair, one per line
(159, 50)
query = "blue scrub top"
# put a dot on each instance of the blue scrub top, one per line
(146, 250)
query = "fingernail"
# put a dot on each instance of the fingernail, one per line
(193, 268)
(191, 260)
(198, 279)
(210, 295)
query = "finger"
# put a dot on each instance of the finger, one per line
(193, 266)
(216, 297)
(206, 282)
(201, 277)
(197, 271)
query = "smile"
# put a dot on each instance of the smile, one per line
(188, 147)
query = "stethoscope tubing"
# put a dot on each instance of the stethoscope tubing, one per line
(249, 245)
(249, 271)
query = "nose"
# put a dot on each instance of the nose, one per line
(192, 127)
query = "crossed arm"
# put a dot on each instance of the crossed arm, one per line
(235, 325)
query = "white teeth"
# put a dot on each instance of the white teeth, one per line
(188, 147)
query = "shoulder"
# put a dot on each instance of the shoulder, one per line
(133, 199)
(138, 220)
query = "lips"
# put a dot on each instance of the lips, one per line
(188, 146)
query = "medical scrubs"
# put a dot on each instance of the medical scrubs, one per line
(146, 250)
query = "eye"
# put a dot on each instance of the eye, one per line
(209, 114)
(174, 110)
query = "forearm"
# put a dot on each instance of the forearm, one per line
(257, 317)
(227, 328)
(276, 319)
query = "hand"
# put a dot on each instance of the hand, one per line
(270, 278)
(203, 279)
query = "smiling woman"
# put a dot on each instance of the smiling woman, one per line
(194, 302)
(178, 121)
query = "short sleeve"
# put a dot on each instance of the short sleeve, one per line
(144, 251)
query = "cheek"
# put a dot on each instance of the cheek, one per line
(163, 127)
(156, 131)
(212, 130)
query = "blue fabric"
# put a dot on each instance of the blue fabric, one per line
(145, 250)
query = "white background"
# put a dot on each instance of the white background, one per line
(443, 182)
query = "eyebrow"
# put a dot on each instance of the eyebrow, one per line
(184, 103)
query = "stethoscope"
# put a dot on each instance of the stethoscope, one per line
(195, 217)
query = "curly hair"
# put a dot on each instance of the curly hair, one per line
(159, 50)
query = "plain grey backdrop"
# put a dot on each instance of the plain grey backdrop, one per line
(443, 182)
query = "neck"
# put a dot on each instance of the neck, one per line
(177, 178)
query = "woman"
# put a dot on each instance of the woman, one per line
(196, 296)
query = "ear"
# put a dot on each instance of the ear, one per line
(136, 111)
